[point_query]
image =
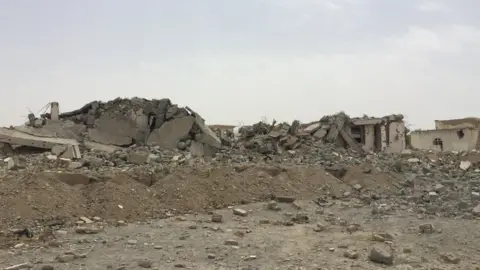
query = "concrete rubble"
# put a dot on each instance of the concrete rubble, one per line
(108, 165)
(110, 126)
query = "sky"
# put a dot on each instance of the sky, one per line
(238, 62)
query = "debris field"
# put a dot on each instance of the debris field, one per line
(136, 183)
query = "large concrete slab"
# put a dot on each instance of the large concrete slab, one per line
(171, 132)
(18, 138)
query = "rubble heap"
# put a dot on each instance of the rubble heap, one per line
(127, 122)
(276, 138)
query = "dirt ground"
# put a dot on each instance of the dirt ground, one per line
(263, 239)
(42, 197)
(138, 223)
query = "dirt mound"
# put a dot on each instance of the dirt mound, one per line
(50, 196)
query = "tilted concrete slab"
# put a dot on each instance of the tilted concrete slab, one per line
(18, 138)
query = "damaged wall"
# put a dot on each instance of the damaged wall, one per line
(445, 139)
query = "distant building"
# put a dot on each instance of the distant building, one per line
(449, 135)
(385, 134)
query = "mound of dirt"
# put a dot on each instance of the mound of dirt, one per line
(44, 197)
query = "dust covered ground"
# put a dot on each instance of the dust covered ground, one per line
(302, 235)
(364, 219)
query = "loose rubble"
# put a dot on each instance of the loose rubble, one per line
(151, 170)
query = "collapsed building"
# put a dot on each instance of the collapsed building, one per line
(133, 124)
(449, 135)
(367, 134)
(109, 125)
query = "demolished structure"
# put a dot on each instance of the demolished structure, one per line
(449, 135)
(386, 134)
(118, 123)
(137, 125)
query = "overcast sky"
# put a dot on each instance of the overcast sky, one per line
(238, 61)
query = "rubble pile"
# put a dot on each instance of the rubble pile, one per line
(127, 122)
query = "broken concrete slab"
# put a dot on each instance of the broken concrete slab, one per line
(106, 137)
(347, 136)
(18, 138)
(171, 132)
(114, 129)
(101, 147)
(15, 163)
(207, 136)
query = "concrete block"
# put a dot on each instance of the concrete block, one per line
(114, 129)
(19, 138)
(106, 137)
(207, 136)
(171, 132)
(139, 157)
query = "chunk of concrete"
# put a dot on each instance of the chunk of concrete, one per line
(19, 138)
(139, 157)
(15, 163)
(114, 129)
(202, 150)
(171, 132)
(106, 137)
(207, 136)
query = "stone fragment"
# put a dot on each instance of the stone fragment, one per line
(381, 253)
(427, 228)
(320, 227)
(231, 242)
(145, 263)
(465, 165)
(20, 266)
(75, 165)
(240, 212)
(171, 133)
(272, 205)
(476, 211)
(87, 230)
(450, 258)
(351, 254)
(217, 218)
(285, 199)
(16, 163)
(139, 157)
(63, 258)
(86, 220)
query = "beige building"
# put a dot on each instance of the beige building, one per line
(449, 135)
(386, 134)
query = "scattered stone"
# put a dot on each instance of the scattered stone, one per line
(381, 254)
(86, 220)
(231, 242)
(47, 267)
(145, 263)
(217, 218)
(320, 227)
(65, 258)
(450, 258)
(88, 230)
(121, 223)
(19, 266)
(285, 199)
(272, 205)
(240, 212)
(211, 256)
(427, 228)
(351, 254)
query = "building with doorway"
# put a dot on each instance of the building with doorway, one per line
(385, 134)
(449, 135)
